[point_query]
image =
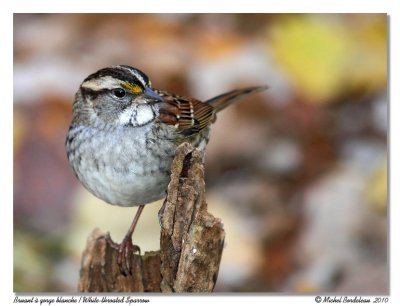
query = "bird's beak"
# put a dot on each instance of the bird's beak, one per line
(151, 97)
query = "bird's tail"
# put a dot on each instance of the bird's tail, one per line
(225, 99)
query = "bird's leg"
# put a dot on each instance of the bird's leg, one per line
(126, 248)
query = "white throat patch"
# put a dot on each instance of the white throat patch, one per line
(137, 115)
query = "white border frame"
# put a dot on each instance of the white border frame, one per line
(7, 8)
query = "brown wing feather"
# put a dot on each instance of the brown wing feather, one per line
(189, 115)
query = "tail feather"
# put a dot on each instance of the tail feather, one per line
(225, 99)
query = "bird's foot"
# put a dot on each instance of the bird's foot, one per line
(125, 254)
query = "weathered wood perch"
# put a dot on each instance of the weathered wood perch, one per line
(191, 242)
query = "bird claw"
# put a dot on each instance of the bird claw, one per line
(126, 249)
(125, 254)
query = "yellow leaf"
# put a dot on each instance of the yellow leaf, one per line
(325, 54)
(377, 189)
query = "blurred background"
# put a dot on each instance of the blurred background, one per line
(298, 174)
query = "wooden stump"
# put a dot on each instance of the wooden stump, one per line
(191, 242)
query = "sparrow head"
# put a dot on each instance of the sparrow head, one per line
(119, 96)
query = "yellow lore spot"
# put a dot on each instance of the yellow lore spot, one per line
(132, 87)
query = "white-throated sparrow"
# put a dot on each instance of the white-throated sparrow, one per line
(123, 137)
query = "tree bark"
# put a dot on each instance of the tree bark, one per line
(191, 242)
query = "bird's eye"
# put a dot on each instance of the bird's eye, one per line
(119, 92)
